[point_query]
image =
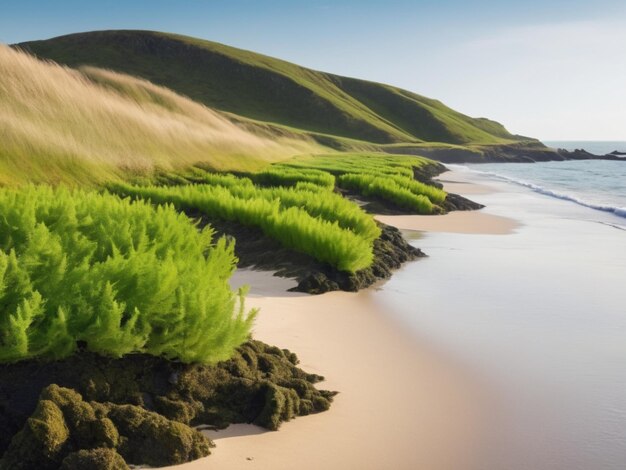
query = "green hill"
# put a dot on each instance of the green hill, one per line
(271, 90)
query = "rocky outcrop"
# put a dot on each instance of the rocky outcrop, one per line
(256, 250)
(391, 250)
(512, 153)
(90, 411)
(455, 202)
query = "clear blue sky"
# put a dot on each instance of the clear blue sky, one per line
(552, 69)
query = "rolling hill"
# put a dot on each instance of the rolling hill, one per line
(271, 90)
(88, 126)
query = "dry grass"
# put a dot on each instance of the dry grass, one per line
(59, 125)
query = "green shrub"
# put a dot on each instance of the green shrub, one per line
(284, 176)
(388, 189)
(219, 179)
(321, 224)
(397, 171)
(119, 277)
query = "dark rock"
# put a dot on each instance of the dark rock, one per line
(51, 411)
(94, 459)
(254, 249)
(391, 250)
(524, 152)
(63, 424)
(454, 202)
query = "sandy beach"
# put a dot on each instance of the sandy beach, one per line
(400, 405)
(475, 222)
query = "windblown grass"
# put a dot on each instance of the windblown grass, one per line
(65, 126)
(115, 276)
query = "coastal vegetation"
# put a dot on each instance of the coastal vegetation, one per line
(388, 177)
(296, 202)
(321, 224)
(81, 270)
(121, 206)
(387, 189)
(286, 176)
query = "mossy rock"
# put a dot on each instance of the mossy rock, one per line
(42, 441)
(151, 439)
(142, 407)
(94, 459)
(63, 425)
(391, 250)
(256, 250)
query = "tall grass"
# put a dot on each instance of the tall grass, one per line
(115, 276)
(319, 223)
(85, 127)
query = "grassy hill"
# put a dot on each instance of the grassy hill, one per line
(267, 89)
(88, 126)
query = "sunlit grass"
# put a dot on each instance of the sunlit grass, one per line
(118, 277)
(85, 127)
(388, 177)
(321, 224)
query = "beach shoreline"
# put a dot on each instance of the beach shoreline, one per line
(469, 222)
(400, 404)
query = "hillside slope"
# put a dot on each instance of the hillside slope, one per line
(90, 126)
(267, 89)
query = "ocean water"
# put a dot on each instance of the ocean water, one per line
(599, 185)
(595, 147)
(538, 317)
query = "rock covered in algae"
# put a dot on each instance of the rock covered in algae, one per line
(64, 430)
(391, 250)
(102, 458)
(255, 249)
(89, 411)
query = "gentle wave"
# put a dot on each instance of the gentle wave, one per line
(619, 211)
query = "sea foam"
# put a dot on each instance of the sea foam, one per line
(619, 211)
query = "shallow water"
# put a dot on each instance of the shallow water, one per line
(540, 317)
(599, 185)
